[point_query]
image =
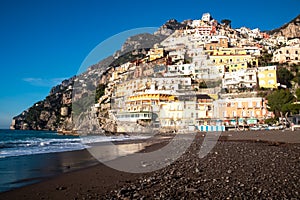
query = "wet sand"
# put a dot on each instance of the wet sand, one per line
(264, 164)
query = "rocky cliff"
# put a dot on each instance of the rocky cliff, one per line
(69, 99)
(289, 30)
(49, 114)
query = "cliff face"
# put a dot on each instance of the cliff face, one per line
(57, 110)
(147, 40)
(289, 30)
(49, 114)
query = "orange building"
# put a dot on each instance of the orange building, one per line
(243, 110)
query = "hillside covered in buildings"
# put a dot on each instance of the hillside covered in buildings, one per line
(183, 77)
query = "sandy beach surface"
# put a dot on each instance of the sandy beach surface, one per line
(250, 165)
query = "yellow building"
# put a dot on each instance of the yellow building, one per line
(143, 106)
(267, 77)
(232, 59)
(143, 100)
(226, 51)
(235, 67)
(156, 53)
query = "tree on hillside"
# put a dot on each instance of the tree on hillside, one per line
(298, 94)
(281, 103)
(202, 84)
(284, 77)
(297, 78)
(100, 91)
(265, 59)
(227, 22)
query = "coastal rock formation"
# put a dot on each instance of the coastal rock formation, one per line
(147, 40)
(46, 114)
(289, 30)
(56, 111)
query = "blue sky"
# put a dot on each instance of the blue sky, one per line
(44, 41)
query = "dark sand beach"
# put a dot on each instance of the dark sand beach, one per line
(250, 165)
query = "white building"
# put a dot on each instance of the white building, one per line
(293, 42)
(240, 79)
(287, 54)
(206, 17)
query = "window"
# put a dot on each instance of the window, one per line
(244, 113)
(296, 52)
(240, 104)
(250, 104)
(258, 104)
(270, 75)
(260, 75)
(251, 113)
(234, 113)
(271, 82)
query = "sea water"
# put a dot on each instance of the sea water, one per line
(19, 143)
(27, 157)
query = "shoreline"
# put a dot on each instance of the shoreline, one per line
(57, 163)
(99, 180)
